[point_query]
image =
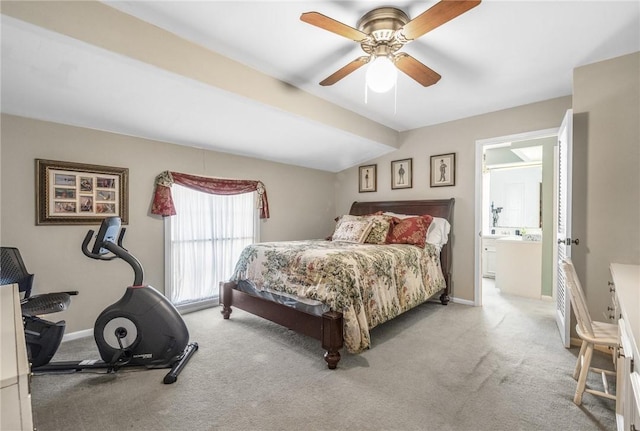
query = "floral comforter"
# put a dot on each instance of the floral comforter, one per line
(369, 284)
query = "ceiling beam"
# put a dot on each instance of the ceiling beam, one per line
(100, 25)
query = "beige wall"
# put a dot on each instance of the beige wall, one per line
(606, 186)
(606, 201)
(301, 202)
(453, 137)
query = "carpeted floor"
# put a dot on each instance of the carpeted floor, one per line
(496, 367)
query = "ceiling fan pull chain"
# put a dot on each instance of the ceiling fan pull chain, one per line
(366, 93)
(395, 97)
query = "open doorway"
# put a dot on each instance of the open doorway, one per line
(515, 198)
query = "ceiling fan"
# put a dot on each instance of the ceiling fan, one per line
(382, 32)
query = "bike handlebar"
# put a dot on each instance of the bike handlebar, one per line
(118, 252)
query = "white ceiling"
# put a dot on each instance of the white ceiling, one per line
(498, 55)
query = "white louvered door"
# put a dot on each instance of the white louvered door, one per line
(563, 233)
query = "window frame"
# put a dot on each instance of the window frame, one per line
(168, 270)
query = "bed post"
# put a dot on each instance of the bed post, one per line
(445, 298)
(332, 337)
(445, 261)
(226, 295)
(445, 256)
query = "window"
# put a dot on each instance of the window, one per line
(203, 242)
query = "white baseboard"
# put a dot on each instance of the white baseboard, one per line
(77, 335)
(183, 310)
(462, 301)
(200, 305)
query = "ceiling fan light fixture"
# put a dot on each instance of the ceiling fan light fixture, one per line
(381, 74)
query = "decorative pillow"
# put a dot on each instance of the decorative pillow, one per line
(352, 229)
(411, 230)
(438, 232)
(379, 229)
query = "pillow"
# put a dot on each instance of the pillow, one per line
(438, 232)
(379, 230)
(352, 229)
(411, 230)
(398, 216)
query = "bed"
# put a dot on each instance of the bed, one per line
(279, 281)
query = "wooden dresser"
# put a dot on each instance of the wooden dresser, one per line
(626, 279)
(15, 395)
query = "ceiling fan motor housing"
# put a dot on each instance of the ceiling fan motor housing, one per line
(382, 24)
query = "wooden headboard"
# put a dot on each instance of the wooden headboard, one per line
(442, 208)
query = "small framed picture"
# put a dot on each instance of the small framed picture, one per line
(368, 179)
(402, 174)
(443, 170)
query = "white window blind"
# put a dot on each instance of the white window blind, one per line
(203, 242)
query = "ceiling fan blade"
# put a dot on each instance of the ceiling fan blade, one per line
(344, 71)
(416, 70)
(442, 12)
(330, 24)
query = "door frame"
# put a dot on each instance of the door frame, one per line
(480, 145)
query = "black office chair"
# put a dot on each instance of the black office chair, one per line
(42, 340)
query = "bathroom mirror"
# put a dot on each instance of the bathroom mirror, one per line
(515, 191)
(515, 195)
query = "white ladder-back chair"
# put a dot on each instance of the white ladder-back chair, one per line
(591, 333)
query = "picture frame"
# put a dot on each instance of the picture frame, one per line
(78, 193)
(443, 170)
(402, 174)
(367, 178)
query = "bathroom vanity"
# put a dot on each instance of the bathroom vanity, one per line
(518, 266)
(489, 255)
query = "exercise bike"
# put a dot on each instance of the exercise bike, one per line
(142, 329)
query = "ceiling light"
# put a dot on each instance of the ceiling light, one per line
(381, 74)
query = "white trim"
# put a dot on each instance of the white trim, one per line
(477, 261)
(480, 145)
(565, 134)
(213, 299)
(256, 226)
(183, 309)
(77, 335)
(463, 301)
(197, 306)
(526, 136)
(167, 256)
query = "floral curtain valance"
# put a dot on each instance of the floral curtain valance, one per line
(163, 202)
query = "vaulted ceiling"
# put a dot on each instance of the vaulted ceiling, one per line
(242, 76)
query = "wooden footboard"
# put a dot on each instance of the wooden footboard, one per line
(327, 328)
